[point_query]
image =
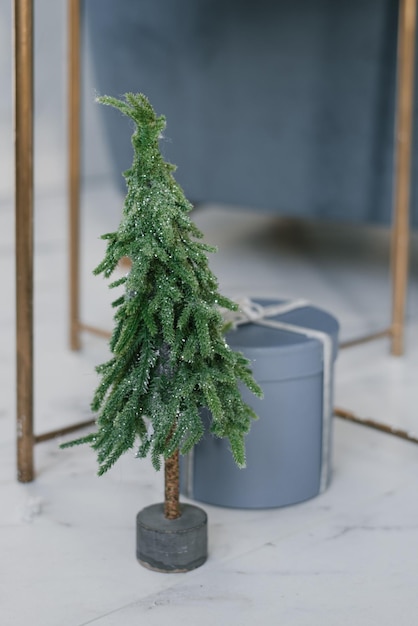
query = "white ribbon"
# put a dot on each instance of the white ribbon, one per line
(255, 313)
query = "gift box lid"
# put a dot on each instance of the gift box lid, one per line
(278, 354)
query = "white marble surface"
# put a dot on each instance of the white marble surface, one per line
(67, 541)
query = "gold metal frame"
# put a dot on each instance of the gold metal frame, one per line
(23, 54)
(23, 93)
(23, 42)
(74, 86)
(404, 130)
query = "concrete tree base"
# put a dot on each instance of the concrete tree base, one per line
(165, 545)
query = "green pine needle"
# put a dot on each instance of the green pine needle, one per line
(169, 356)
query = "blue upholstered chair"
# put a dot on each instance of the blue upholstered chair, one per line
(283, 106)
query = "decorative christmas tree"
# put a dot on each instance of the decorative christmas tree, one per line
(170, 357)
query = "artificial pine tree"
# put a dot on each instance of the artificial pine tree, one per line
(170, 357)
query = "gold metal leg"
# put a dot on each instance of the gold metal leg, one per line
(23, 53)
(23, 58)
(76, 327)
(384, 428)
(74, 169)
(400, 229)
(404, 114)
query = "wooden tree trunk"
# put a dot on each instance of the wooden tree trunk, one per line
(172, 487)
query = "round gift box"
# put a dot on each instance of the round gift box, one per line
(285, 448)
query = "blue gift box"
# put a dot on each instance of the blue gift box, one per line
(289, 448)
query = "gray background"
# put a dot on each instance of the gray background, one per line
(50, 103)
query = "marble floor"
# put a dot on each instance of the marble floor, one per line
(348, 557)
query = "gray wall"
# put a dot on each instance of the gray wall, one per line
(50, 103)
